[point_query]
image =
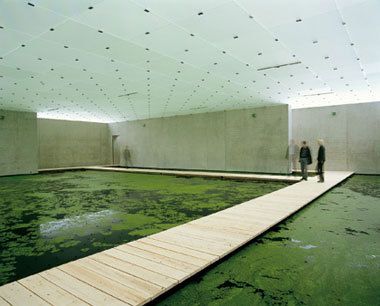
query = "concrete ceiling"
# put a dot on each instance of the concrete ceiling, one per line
(116, 60)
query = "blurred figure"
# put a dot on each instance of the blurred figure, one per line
(305, 159)
(127, 156)
(321, 160)
(291, 154)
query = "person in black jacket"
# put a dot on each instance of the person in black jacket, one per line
(305, 159)
(321, 160)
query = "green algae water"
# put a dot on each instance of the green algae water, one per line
(50, 219)
(327, 254)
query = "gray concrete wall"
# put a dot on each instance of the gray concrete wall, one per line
(73, 143)
(18, 143)
(352, 135)
(229, 140)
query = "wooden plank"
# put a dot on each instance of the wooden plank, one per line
(135, 270)
(171, 262)
(80, 289)
(140, 244)
(249, 222)
(210, 234)
(271, 213)
(4, 302)
(109, 286)
(225, 175)
(141, 287)
(16, 294)
(269, 209)
(234, 222)
(252, 215)
(192, 243)
(49, 291)
(206, 237)
(215, 225)
(179, 249)
(148, 264)
(222, 231)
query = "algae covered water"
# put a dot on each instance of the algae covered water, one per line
(327, 254)
(50, 219)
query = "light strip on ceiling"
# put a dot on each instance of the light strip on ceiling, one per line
(319, 94)
(128, 94)
(279, 66)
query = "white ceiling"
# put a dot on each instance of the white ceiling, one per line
(72, 59)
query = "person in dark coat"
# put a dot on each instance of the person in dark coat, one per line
(305, 159)
(321, 160)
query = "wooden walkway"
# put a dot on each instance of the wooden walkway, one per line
(137, 272)
(223, 175)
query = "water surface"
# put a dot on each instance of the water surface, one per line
(50, 219)
(327, 254)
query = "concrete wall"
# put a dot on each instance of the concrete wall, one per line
(18, 143)
(352, 135)
(73, 143)
(229, 140)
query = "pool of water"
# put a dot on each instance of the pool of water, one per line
(327, 254)
(50, 219)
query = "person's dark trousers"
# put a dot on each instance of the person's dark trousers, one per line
(320, 171)
(304, 162)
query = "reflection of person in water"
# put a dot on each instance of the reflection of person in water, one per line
(292, 155)
(127, 156)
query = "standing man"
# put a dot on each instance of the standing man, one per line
(321, 160)
(305, 159)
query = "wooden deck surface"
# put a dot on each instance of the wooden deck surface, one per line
(137, 272)
(227, 175)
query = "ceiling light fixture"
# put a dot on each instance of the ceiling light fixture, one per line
(279, 66)
(319, 94)
(128, 94)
